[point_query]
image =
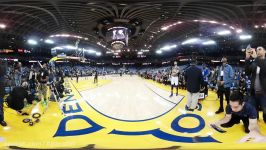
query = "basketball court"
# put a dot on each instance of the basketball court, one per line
(125, 112)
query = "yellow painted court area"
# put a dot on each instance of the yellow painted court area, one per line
(82, 125)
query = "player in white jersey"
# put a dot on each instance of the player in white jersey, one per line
(174, 78)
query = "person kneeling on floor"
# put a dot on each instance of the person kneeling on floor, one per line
(238, 110)
(16, 98)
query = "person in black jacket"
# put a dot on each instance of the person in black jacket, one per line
(16, 98)
(256, 68)
(2, 91)
(43, 78)
(194, 81)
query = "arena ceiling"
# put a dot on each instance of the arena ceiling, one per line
(159, 28)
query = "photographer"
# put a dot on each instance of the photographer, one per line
(2, 91)
(16, 98)
(238, 110)
(255, 67)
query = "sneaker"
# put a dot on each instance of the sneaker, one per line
(186, 107)
(264, 118)
(228, 124)
(171, 95)
(22, 113)
(246, 130)
(34, 102)
(44, 103)
(189, 109)
(3, 123)
(219, 111)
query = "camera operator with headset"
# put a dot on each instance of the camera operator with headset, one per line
(255, 68)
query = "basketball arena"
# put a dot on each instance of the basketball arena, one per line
(132, 74)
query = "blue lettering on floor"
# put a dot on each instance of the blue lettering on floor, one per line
(61, 131)
(175, 126)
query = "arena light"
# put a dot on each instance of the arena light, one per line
(32, 42)
(68, 35)
(164, 28)
(203, 21)
(91, 51)
(140, 53)
(32, 61)
(61, 35)
(171, 25)
(98, 53)
(49, 41)
(58, 48)
(168, 47)
(2, 26)
(210, 42)
(239, 31)
(165, 62)
(215, 61)
(159, 52)
(145, 64)
(245, 37)
(70, 47)
(231, 27)
(184, 59)
(224, 32)
(191, 41)
(213, 22)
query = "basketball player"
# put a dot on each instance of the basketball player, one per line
(174, 78)
(96, 77)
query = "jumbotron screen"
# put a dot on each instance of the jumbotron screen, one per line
(117, 34)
